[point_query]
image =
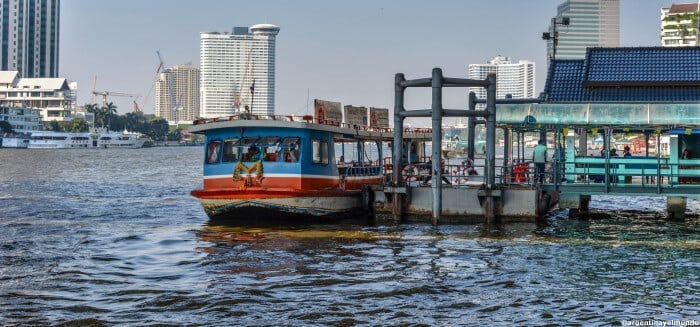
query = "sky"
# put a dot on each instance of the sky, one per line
(345, 51)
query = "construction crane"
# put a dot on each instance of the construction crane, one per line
(155, 80)
(104, 95)
(94, 84)
(240, 97)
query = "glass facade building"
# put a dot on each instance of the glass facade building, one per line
(592, 23)
(238, 71)
(30, 30)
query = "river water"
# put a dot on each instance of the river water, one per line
(113, 237)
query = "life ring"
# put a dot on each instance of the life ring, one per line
(460, 176)
(410, 173)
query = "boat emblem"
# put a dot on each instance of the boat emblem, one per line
(241, 167)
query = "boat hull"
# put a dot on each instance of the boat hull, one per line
(14, 142)
(251, 205)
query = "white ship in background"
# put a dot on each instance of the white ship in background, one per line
(27, 133)
(60, 140)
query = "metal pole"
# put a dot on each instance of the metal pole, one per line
(490, 146)
(398, 144)
(507, 151)
(471, 124)
(436, 141)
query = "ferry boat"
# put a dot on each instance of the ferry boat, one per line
(285, 166)
(121, 140)
(62, 140)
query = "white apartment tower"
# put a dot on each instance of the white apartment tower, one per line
(177, 94)
(516, 80)
(679, 25)
(592, 23)
(238, 71)
(30, 30)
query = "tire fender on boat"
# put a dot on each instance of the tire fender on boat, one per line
(544, 204)
(367, 198)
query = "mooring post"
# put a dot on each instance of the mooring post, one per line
(490, 147)
(397, 203)
(437, 142)
(507, 150)
(471, 126)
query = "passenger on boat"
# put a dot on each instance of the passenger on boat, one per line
(252, 154)
(626, 153)
(469, 165)
(272, 152)
(539, 157)
(213, 152)
(613, 153)
(293, 154)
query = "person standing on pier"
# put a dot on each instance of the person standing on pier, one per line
(539, 157)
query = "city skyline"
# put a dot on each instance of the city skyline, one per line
(346, 52)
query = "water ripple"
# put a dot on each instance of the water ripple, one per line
(84, 241)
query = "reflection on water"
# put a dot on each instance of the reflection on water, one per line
(113, 237)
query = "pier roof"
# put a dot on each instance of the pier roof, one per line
(642, 74)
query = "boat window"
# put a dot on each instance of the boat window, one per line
(273, 145)
(213, 151)
(231, 150)
(291, 148)
(251, 149)
(320, 151)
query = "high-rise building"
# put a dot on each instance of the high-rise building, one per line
(177, 94)
(238, 71)
(516, 80)
(29, 31)
(679, 25)
(581, 24)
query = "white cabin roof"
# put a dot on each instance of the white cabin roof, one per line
(42, 83)
(8, 76)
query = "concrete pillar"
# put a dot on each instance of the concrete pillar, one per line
(437, 148)
(396, 178)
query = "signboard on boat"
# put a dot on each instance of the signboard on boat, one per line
(327, 112)
(378, 117)
(356, 115)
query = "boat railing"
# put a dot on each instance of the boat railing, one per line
(308, 119)
(363, 171)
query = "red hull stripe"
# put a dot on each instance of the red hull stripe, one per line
(289, 183)
(266, 193)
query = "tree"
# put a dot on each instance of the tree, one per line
(6, 127)
(79, 125)
(109, 110)
(92, 109)
(175, 135)
(158, 129)
(55, 126)
(135, 122)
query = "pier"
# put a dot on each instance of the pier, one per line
(506, 188)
